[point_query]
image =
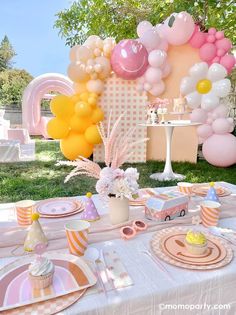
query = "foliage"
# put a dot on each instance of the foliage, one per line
(119, 18)
(31, 180)
(12, 85)
(6, 54)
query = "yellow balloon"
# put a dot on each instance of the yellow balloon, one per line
(97, 115)
(80, 124)
(75, 98)
(62, 106)
(75, 145)
(84, 96)
(204, 86)
(80, 87)
(57, 128)
(83, 109)
(95, 95)
(92, 135)
(92, 101)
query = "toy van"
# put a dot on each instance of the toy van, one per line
(166, 206)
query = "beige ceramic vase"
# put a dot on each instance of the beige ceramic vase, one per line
(118, 210)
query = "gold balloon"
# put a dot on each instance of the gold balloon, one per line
(75, 145)
(62, 106)
(84, 96)
(204, 86)
(80, 124)
(97, 115)
(57, 128)
(83, 109)
(92, 135)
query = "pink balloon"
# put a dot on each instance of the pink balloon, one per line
(129, 59)
(207, 52)
(212, 31)
(150, 39)
(201, 140)
(220, 52)
(211, 39)
(143, 27)
(163, 44)
(179, 28)
(220, 150)
(219, 35)
(216, 60)
(158, 89)
(156, 58)
(221, 111)
(224, 43)
(228, 61)
(209, 121)
(153, 75)
(198, 39)
(198, 115)
(221, 126)
(204, 131)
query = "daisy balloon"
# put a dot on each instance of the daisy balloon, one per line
(205, 85)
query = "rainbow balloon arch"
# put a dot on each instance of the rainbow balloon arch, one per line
(145, 60)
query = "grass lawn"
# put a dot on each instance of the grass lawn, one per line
(41, 179)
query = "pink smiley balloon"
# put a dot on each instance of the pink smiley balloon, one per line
(129, 59)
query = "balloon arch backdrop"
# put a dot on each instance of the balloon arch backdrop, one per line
(145, 60)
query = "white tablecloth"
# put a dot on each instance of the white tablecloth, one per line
(153, 292)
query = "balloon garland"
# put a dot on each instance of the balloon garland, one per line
(145, 60)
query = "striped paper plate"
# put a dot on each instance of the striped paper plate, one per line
(202, 190)
(71, 274)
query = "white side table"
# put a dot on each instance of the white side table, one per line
(168, 173)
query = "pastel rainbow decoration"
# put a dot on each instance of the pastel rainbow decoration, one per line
(77, 236)
(210, 211)
(24, 210)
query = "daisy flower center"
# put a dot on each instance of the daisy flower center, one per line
(204, 86)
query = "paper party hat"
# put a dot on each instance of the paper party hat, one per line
(211, 194)
(35, 235)
(90, 212)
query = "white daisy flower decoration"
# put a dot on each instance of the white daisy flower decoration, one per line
(205, 85)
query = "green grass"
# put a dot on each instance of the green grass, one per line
(41, 179)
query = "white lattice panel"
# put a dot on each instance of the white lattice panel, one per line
(121, 95)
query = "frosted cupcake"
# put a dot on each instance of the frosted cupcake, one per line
(196, 243)
(41, 272)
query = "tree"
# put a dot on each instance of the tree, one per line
(6, 54)
(119, 19)
(12, 84)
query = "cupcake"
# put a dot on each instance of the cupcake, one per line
(41, 272)
(196, 243)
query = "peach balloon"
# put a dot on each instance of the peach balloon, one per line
(73, 53)
(75, 145)
(95, 86)
(76, 72)
(80, 87)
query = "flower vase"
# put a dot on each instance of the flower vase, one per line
(118, 210)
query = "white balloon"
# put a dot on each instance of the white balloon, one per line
(166, 70)
(221, 88)
(156, 58)
(157, 89)
(193, 99)
(216, 72)
(209, 101)
(143, 27)
(187, 85)
(199, 71)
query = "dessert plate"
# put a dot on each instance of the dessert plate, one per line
(168, 245)
(71, 274)
(57, 207)
(202, 190)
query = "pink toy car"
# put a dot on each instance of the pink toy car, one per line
(166, 206)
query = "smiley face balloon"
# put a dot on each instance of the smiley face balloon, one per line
(129, 59)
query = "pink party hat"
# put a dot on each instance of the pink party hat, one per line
(90, 212)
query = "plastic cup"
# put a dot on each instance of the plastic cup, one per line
(24, 211)
(210, 212)
(77, 236)
(186, 188)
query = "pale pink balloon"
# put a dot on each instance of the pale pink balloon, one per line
(220, 150)
(179, 28)
(153, 75)
(207, 52)
(201, 140)
(228, 61)
(147, 86)
(143, 27)
(157, 89)
(224, 43)
(95, 86)
(156, 58)
(204, 131)
(209, 121)
(198, 115)
(198, 38)
(221, 126)
(129, 59)
(166, 70)
(150, 39)
(76, 72)
(221, 111)
(163, 44)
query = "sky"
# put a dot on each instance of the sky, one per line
(29, 27)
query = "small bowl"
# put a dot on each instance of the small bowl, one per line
(196, 249)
